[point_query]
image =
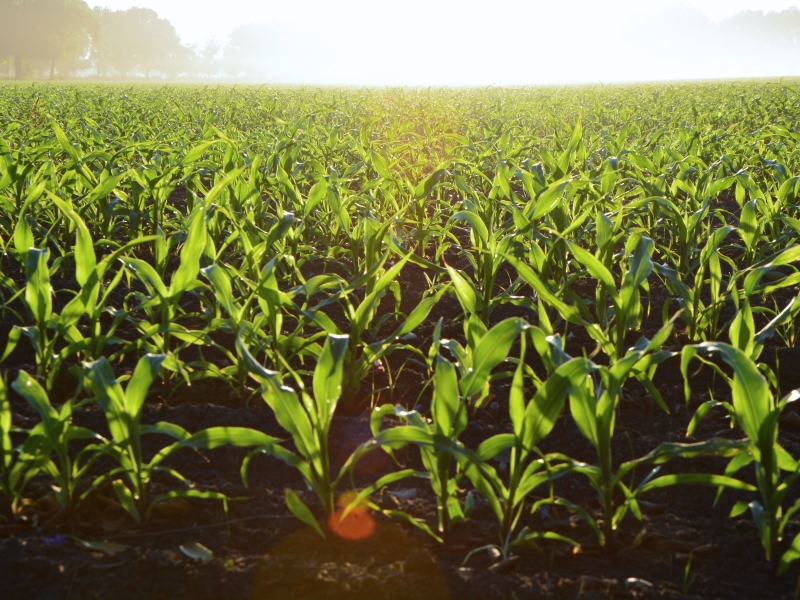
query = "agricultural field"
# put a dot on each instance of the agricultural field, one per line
(392, 343)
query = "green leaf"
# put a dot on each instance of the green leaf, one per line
(143, 376)
(111, 399)
(389, 479)
(596, 268)
(752, 397)
(194, 154)
(478, 226)
(147, 275)
(696, 479)
(464, 291)
(222, 288)
(38, 291)
(425, 187)
(420, 313)
(13, 339)
(785, 257)
(64, 143)
(315, 195)
(104, 188)
(27, 387)
(568, 313)
(190, 254)
(738, 509)
(222, 184)
(292, 416)
(414, 521)
(547, 403)
(171, 429)
(700, 414)
(446, 400)
(742, 329)
(381, 166)
(240, 437)
(583, 407)
(791, 555)
(126, 499)
(23, 238)
(85, 259)
(748, 224)
(490, 352)
(496, 444)
(516, 401)
(548, 199)
(302, 512)
(328, 375)
(543, 535)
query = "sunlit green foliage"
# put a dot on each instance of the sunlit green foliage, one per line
(262, 235)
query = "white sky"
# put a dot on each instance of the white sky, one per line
(475, 42)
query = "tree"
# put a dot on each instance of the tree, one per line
(776, 31)
(137, 39)
(5, 65)
(249, 49)
(51, 30)
(208, 58)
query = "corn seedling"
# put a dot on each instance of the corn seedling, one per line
(307, 418)
(757, 413)
(123, 410)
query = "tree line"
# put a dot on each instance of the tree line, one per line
(67, 38)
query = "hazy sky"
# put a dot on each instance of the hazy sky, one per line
(422, 42)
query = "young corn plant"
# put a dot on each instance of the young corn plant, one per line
(485, 259)
(484, 351)
(593, 406)
(360, 359)
(54, 436)
(362, 356)
(39, 301)
(626, 306)
(684, 225)
(593, 403)
(626, 312)
(95, 292)
(447, 461)
(282, 348)
(123, 411)
(527, 467)
(742, 332)
(308, 419)
(254, 311)
(18, 464)
(162, 303)
(701, 317)
(236, 323)
(754, 409)
(439, 448)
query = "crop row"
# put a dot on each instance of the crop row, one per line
(267, 238)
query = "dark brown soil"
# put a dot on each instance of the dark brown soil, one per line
(269, 554)
(263, 552)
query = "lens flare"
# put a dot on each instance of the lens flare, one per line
(357, 525)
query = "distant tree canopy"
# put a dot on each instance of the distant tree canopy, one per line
(247, 48)
(37, 36)
(772, 29)
(45, 30)
(136, 39)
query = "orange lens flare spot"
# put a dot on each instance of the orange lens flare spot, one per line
(357, 525)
